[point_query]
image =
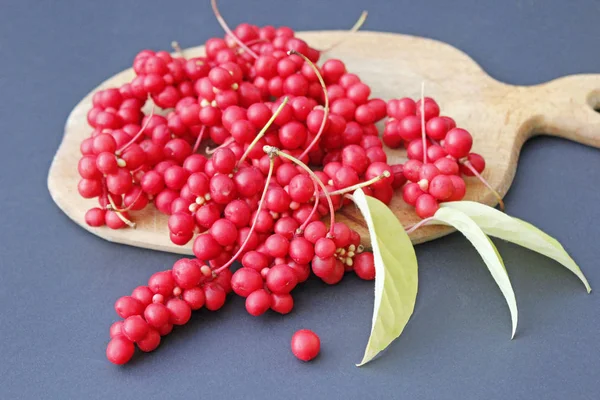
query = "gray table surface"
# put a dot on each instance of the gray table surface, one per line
(58, 283)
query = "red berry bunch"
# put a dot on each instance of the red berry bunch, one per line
(169, 299)
(438, 152)
(262, 111)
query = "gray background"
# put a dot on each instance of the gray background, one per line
(58, 283)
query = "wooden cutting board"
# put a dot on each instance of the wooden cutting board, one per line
(501, 118)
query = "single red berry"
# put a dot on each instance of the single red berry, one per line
(325, 248)
(215, 296)
(245, 281)
(459, 188)
(115, 329)
(157, 315)
(258, 302)
(180, 311)
(281, 279)
(95, 216)
(458, 143)
(426, 206)
(186, 273)
(162, 283)
(143, 294)
(150, 342)
(282, 303)
(305, 345)
(364, 266)
(119, 350)
(135, 328)
(194, 297)
(127, 306)
(477, 162)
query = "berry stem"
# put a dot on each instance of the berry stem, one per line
(302, 227)
(121, 216)
(121, 210)
(223, 24)
(419, 224)
(325, 110)
(357, 25)
(468, 164)
(175, 45)
(269, 149)
(137, 135)
(385, 174)
(226, 143)
(258, 210)
(263, 130)
(423, 135)
(199, 139)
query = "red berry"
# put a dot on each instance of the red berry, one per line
(143, 294)
(459, 188)
(115, 329)
(325, 248)
(458, 143)
(282, 303)
(119, 350)
(447, 166)
(441, 187)
(364, 266)
(180, 311)
(95, 217)
(281, 279)
(305, 345)
(135, 328)
(477, 162)
(315, 231)
(206, 247)
(426, 206)
(258, 302)
(411, 192)
(150, 342)
(215, 296)
(245, 281)
(127, 306)
(186, 273)
(401, 108)
(157, 315)
(162, 283)
(194, 297)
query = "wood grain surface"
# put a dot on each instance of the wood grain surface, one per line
(500, 117)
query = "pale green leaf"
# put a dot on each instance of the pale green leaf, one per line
(487, 250)
(498, 224)
(396, 275)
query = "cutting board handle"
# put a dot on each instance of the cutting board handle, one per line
(566, 107)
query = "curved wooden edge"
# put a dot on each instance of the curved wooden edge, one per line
(565, 107)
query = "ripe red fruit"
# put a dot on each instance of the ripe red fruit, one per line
(162, 283)
(301, 188)
(477, 162)
(194, 297)
(315, 231)
(458, 143)
(206, 247)
(115, 329)
(426, 205)
(277, 245)
(127, 306)
(135, 328)
(215, 296)
(95, 217)
(411, 192)
(459, 188)
(258, 302)
(245, 281)
(150, 342)
(301, 250)
(224, 232)
(143, 294)
(441, 187)
(282, 303)
(364, 266)
(305, 344)
(186, 273)
(119, 350)
(180, 311)
(281, 279)
(157, 315)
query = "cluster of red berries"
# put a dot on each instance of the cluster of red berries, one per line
(434, 175)
(259, 98)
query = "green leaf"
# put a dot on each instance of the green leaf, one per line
(498, 224)
(487, 250)
(396, 275)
